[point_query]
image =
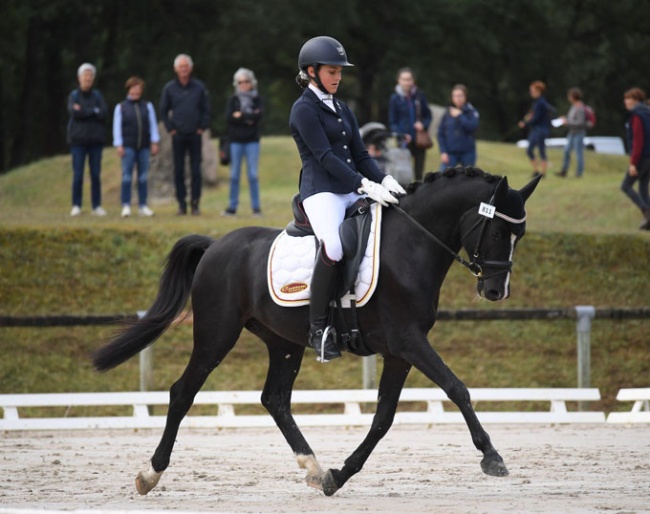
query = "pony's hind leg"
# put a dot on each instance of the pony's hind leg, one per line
(210, 348)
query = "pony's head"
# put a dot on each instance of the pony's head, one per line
(490, 232)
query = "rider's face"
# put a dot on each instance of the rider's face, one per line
(330, 77)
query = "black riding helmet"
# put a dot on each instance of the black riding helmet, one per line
(322, 50)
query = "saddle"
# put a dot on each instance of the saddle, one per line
(354, 233)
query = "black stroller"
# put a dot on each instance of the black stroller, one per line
(389, 151)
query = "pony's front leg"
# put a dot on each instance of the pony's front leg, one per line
(426, 359)
(390, 386)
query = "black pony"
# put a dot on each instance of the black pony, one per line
(461, 207)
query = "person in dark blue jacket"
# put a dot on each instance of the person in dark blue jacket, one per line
(336, 172)
(637, 129)
(539, 124)
(456, 131)
(86, 135)
(185, 111)
(408, 112)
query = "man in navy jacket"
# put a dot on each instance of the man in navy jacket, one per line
(185, 111)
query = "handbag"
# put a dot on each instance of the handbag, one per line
(224, 150)
(422, 138)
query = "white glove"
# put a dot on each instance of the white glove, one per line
(377, 192)
(392, 185)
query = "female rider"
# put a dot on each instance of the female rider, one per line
(336, 172)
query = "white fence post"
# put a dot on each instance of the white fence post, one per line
(370, 372)
(584, 313)
(146, 364)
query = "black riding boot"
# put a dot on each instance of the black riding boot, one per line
(323, 283)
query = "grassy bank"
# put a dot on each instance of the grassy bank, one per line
(582, 247)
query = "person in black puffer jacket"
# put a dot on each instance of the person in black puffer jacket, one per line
(86, 136)
(243, 116)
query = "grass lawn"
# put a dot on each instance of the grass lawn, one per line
(582, 247)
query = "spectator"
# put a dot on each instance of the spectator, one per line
(86, 136)
(576, 121)
(243, 116)
(185, 111)
(456, 131)
(637, 129)
(408, 111)
(539, 126)
(135, 135)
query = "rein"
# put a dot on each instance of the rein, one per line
(487, 211)
(473, 267)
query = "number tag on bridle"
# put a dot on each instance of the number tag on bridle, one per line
(487, 210)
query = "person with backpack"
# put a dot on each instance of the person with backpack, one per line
(538, 121)
(86, 135)
(577, 121)
(136, 137)
(637, 128)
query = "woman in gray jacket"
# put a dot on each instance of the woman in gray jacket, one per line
(576, 121)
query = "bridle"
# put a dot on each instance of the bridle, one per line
(487, 211)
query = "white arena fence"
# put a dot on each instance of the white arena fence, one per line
(355, 408)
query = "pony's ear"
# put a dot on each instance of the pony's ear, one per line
(528, 189)
(501, 191)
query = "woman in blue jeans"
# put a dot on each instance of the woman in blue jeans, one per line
(539, 126)
(576, 121)
(86, 134)
(243, 115)
(135, 135)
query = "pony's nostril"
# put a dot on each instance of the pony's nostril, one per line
(493, 295)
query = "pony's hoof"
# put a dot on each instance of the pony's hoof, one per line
(493, 465)
(314, 481)
(328, 483)
(147, 480)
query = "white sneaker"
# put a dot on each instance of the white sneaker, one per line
(126, 211)
(99, 211)
(76, 210)
(145, 211)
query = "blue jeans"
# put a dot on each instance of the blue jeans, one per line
(129, 160)
(640, 199)
(251, 151)
(94, 153)
(537, 138)
(181, 144)
(463, 158)
(575, 140)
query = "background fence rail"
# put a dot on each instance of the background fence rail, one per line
(583, 314)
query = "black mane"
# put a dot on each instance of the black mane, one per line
(467, 171)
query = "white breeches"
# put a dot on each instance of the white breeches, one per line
(326, 212)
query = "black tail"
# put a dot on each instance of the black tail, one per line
(174, 290)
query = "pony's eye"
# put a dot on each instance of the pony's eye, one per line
(499, 233)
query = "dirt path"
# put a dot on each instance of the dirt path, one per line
(563, 469)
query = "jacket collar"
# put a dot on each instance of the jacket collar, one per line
(311, 96)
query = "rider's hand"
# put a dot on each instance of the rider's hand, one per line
(377, 192)
(392, 185)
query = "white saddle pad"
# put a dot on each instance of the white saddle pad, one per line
(291, 262)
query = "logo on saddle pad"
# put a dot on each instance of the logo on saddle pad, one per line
(291, 262)
(294, 287)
